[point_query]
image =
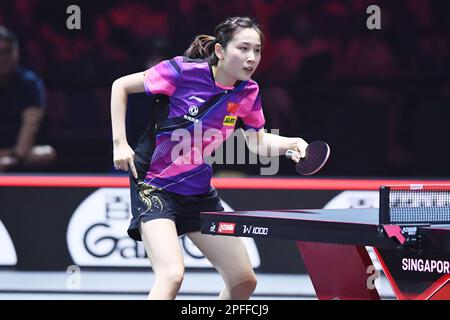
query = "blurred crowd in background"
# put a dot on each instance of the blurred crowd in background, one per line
(380, 98)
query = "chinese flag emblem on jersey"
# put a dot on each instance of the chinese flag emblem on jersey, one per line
(232, 107)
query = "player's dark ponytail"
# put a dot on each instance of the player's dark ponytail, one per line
(203, 45)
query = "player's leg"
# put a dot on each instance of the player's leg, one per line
(229, 256)
(163, 249)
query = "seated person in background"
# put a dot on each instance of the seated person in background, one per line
(22, 107)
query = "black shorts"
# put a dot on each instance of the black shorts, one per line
(149, 203)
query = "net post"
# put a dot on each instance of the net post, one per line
(384, 205)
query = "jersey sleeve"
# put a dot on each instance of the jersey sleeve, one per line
(162, 78)
(255, 118)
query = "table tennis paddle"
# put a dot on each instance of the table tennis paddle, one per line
(316, 155)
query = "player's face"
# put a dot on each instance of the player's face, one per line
(8, 57)
(242, 55)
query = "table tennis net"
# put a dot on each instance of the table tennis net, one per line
(415, 204)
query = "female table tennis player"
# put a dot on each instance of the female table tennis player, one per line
(207, 88)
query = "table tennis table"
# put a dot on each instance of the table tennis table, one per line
(332, 243)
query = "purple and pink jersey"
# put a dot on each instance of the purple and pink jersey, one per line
(201, 115)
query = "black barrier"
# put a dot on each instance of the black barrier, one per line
(54, 226)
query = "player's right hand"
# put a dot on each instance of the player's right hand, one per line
(124, 158)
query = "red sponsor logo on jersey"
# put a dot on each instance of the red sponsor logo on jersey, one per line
(232, 107)
(226, 227)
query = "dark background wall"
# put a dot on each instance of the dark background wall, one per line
(380, 98)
